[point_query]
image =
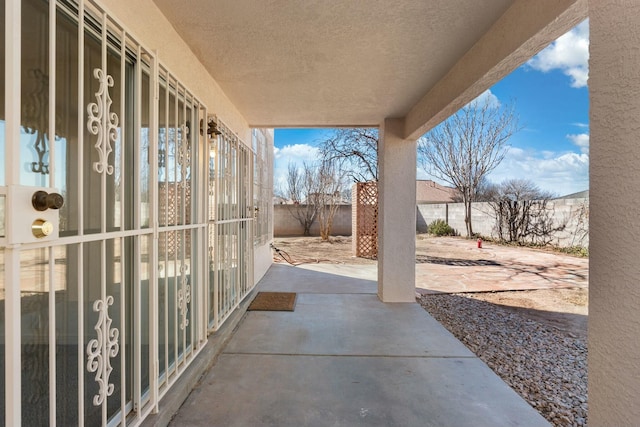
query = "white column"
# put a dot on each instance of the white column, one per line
(614, 277)
(396, 214)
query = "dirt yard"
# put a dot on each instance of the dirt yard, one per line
(562, 308)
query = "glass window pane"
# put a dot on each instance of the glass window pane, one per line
(145, 155)
(145, 275)
(92, 181)
(67, 173)
(162, 157)
(2, 95)
(66, 276)
(114, 180)
(34, 308)
(2, 335)
(34, 137)
(92, 268)
(163, 266)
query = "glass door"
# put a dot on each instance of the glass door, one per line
(76, 252)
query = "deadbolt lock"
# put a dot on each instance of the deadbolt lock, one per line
(41, 228)
(42, 201)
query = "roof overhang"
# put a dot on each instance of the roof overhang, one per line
(291, 63)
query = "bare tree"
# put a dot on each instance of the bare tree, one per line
(524, 213)
(316, 193)
(467, 146)
(357, 149)
(329, 196)
(300, 186)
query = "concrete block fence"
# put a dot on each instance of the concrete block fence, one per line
(574, 211)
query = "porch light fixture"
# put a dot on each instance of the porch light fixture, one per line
(212, 128)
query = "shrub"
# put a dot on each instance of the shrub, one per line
(579, 251)
(440, 228)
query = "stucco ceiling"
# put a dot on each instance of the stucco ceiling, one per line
(330, 62)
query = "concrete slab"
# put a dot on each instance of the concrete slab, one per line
(356, 271)
(346, 325)
(345, 358)
(282, 390)
(320, 278)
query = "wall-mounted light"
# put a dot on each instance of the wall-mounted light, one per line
(212, 127)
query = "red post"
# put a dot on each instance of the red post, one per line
(479, 243)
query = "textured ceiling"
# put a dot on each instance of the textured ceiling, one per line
(329, 62)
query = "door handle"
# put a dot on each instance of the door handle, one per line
(42, 201)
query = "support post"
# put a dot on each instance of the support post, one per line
(614, 277)
(396, 214)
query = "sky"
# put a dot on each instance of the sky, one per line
(551, 99)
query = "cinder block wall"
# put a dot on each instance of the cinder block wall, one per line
(285, 224)
(574, 211)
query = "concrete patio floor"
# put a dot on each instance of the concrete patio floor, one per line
(344, 358)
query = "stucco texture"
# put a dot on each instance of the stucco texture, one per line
(614, 286)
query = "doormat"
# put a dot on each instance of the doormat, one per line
(273, 301)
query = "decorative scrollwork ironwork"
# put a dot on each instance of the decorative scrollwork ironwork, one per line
(102, 349)
(184, 298)
(102, 122)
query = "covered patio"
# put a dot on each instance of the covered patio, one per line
(404, 68)
(345, 358)
(192, 89)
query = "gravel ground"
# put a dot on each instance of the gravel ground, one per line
(546, 366)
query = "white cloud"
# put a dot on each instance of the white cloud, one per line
(296, 154)
(302, 152)
(559, 173)
(569, 53)
(581, 140)
(487, 96)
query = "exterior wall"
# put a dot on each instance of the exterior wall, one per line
(148, 24)
(483, 220)
(285, 224)
(157, 34)
(262, 255)
(160, 276)
(614, 277)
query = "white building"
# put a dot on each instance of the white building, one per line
(165, 224)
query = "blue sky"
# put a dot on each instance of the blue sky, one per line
(552, 101)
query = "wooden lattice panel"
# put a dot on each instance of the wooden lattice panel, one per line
(365, 219)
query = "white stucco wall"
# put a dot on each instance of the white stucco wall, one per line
(614, 277)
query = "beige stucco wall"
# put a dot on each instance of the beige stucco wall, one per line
(285, 223)
(614, 278)
(396, 214)
(573, 213)
(151, 28)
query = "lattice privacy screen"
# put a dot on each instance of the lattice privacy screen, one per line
(365, 219)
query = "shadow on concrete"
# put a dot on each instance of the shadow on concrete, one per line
(458, 262)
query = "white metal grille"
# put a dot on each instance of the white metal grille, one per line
(104, 316)
(230, 224)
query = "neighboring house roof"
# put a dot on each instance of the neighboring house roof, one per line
(579, 195)
(428, 191)
(277, 200)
